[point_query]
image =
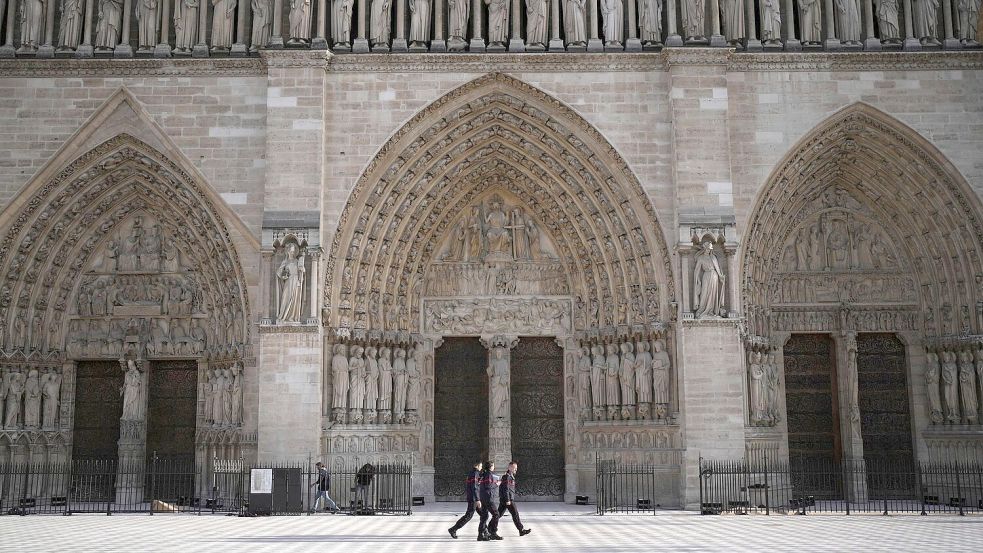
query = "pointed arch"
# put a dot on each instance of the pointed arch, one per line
(497, 132)
(864, 161)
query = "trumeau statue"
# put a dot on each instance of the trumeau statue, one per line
(932, 387)
(650, 21)
(708, 284)
(926, 20)
(811, 21)
(223, 23)
(848, 19)
(380, 22)
(185, 25)
(132, 392)
(771, 21)
(537, 18)
(457, 21)
(575, 22)
(498, 374)
(262, 23)
(148, 17)
(108, 28)
(732, 19)
(291, 273)
(498, 35)
(72, 19)
(693, 13)
(300, 21)
(341, 23)
(887, 21)
(32, 23)
(612, 13)
(420, 19)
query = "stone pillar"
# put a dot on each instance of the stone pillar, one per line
(499, 404)
(423, 470)
(831, 43)
(320, 41)
(871, 42)
(477, 43)
(556, 43)
(123, 49)
(717, 40)
(753, 44)
(239, 48)
(594, 42)
(792, 44)
(571, 418)
(918, 404)
(910, 41)
(672, 35)
(163, 48)
(201, 49)
(314, 278)
(516, 43)
(848, 410)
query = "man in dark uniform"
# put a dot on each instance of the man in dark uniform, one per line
(471, 491)
(506, 494)
(487, 492)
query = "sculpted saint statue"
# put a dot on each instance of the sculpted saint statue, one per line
(262, 23)
(380, 22)
(70, 30)
(412, 382)
(575, 22)
(926, 19)
(51, 389)
(185, 31)
(108, 28)
(339, 373)
(848, 18)
(497, 235)
(235, 415)
(341, 23)
(732, 17)
(969, 21)
(148, 17)
(643, 372)
(771, 377)
(356, 387)
(385, 384)
(693, 14)
(227, 397)
(583, 380)
(708, 284)
(420, 18)
(457, 22)
(613, 14)
(498, 374)
(520, 240)
(32, 400)
(660, 372)
(811, 21)
(949, 386)
(932, 387)
(14, 388)
(650, 21)
(887, 20)
(291, 272)
(498, 25)
(400, 378)
(223, 23)
(771, 22)
(371, 383)
(627, 378)
(612, 376)
(967, 387)
(537, 16)
(219, 383)
(300, 21)
(31, 23)
(597, 369)
(132, 391)
(757, 387)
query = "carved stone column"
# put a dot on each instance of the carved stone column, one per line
(950, 42)
(477, 43)
(571, 423)
(123, 49)
(163, 48)
(47, 50)
(85, 49)
(201, 49)
(423, 467)
(361, 43)
(313, 279)
(556, 43)
(516, 43)
(871, 42)
(132, 444)
(792, 44)
(716, 39)
(239, 48)
(500, 405)
(672, 35)
(847, 395)
(399, 43)
(831, 43)
(438, 44)
(7, 50)
(753, 44)
(594, 42)
(320, 41)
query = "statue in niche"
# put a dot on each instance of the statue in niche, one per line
(611, 383)
(771, 22)
(597, 370)
(291, 272)
(969, 20)
(300, 22)
(218, 397)
(537, 17)
(853, 388)
(13, 391)
(262, 23)
(613, 14)
(887, 21)
(356, 387)
(949, 386)
(150, 245)
(650, 22)
(926, 20)
(70, 29)
(412, 386)
(147, 18)
(758, 387)
(967, 387)
(339, 380)
(535, 247)
(132, 392)
(932, 387)
(223, 23)
(371, 384)
(498, 375)
(520, 240)
(837, 244)
(497, 235)
(420, 19)
(236, 385)
(208, 392)
(228, 395)
(660, 373)
(130, 258)
(627, 378)
(341, 23)
(457, 22)
(693, 13)
(811, 21)
(498, 34)
(32, 23)
(385, 385)
(575, 22)
(108, 28)
(708, 284)
(643, 377)
(400, 378)
(32, 400)
(732, 19)
(584, 381)
(848, 21)
(50, 390)
(381, 22)
(771, 401)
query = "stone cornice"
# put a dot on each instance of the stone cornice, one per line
(486, 63)
(224, 67)
(290, 329)
(857, 61)
(296, 58)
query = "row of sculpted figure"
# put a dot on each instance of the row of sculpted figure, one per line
(624, 379)
(29, 397)
(954, 385)
(183, 27)
(375, 384)
(222, 392)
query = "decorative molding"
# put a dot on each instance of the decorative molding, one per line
(207, 67)
(488, 63)
(286, 328)
(856, 61)
(713, 321)
(696, 56)
(296, 58)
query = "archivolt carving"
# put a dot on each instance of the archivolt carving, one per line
(869, 213)
(124, 242)
(497, 134)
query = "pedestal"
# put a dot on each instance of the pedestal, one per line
(674, 41)
(793, 45)
(718, 41)
(399, 45)
(46, 51)
(437, 46)
(517, 45)
(556, 45)
(240, 50)
(360, 46)
(753, 46)
(595, 45)
(123, 51)
(477, 45)
(633, 45)
(162, 51)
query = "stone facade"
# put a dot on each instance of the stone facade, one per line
(309, 226)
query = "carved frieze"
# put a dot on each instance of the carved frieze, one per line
(537, 316)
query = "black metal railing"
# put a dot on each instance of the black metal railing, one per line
(633, 487)
(766, 485)
(180, 485)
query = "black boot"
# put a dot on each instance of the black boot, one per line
(452, 532)
(483, 537)
(524, 531)
(494, 537)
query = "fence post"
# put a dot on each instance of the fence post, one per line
(153, 481)
(68, 487)
(921, 489)
(767, 486)
(959, 491)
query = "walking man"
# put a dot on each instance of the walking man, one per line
(471, 491)
(506, 494)
(323, 484)
(487, 492)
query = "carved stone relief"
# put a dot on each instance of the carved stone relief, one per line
(954, 381)
(630, 443)
(222, 395)
(30, 396)
(764, 386)
(530, 316)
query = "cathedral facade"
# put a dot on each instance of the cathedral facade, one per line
(431, 232)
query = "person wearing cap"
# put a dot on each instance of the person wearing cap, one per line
(471, 491)
(323, 484)
(506, 497)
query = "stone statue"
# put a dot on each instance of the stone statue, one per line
(979, 376)
(235, 413)
(227, 395)
(499, 240)
(650, 23)
(693, 13)
(575, 22)
(300, 21)
(708, 284)
(32, 400)
(380, 22)
(498, 35)
(537, 18)
(969, 19)
(356, 387)
(771, 375)
(932, 387)
(498, 375)
(185, 35)
(108, 28)
(339, 378)
(473, 243)
(412, 383)
(613, 15)
(341, 23)
(399, 385)
(291, 272)
(627, 378)
(420, 19)
(732, 20)
(853, 389)
(848, 21)
(643, 373)
(520, 240)
(223, 23)
(218, 397)
(371, 384)
(771, 29)
(457, 22)
(32, 23)
(949, 386)
(132, 392)
(14, 391)
(611, 383)
(385, 385)
(758, 388)
(72, 19)
(208, 392)
(532, 231)
(262, 23)
(926, 19)
(584, 381)
(811, 27)
(148, 17)
(967, 387)
(597, 369)
(887, 20)
(51, 389)
(660, 373)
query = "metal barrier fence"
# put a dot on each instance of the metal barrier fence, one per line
(180, 485)
(872, 486)
(624, 487)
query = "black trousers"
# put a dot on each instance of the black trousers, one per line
(514, 512)
(488, 509)
(466, 518)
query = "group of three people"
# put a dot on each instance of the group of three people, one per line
(482, 487)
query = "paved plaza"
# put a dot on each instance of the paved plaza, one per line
(555, 528)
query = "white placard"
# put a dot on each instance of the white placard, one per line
(261, 481)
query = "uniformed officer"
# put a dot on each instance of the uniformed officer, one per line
(506, 494)
(471, 490)
(487, 493)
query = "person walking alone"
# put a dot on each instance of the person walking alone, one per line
(487, 492)
(506, 496)
(323, 484)
(471, 491)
